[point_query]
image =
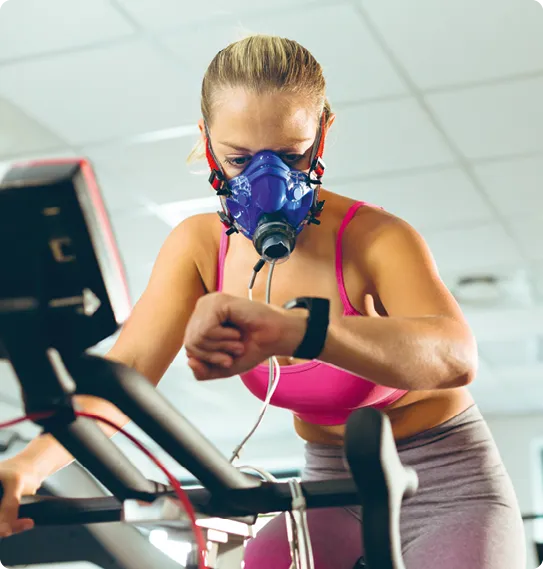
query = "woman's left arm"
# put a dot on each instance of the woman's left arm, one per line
(425, 342)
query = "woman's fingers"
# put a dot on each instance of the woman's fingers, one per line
(201, 370)
(23, 524)
(227, 347)
(9, 506)
(223, 334)
(213, 358)
(218, 346)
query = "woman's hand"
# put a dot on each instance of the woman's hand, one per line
(227, 335)
(17, 481)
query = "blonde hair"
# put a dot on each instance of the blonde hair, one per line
(263, 64)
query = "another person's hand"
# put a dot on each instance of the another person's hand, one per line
(227, 335)
(17, 481)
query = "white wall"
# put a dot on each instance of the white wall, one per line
(517, 438)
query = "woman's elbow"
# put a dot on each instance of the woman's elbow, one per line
(463, 363)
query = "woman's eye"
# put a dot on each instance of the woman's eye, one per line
(240, 161)
(292, 157)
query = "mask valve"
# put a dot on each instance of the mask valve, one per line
(274, 238)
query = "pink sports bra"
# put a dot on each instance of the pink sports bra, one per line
(317, 392)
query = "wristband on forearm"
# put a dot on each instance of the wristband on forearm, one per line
(317, 325)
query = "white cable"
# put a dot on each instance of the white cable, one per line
(274, 369)
(296, 519)
(263, 473)
(298, 530)
(272, 383)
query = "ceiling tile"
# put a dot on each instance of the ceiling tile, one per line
(138, 279)
(493, 121)
(536, 272)
(512, 290)
(168, 14)
(472, 249)
(118, 196)
(514, 186)
(103, 93)
(33, 27)
(175, 212)
(485, 375)
(383, 137)
(139, 237)
(154, 172)
(503, 354)
(427, 200)
(505, 273)
(21, 135)
(528, 231)
(444, 43)
(506, 400)
(369, 75)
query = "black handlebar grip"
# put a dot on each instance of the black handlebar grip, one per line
(52, 510)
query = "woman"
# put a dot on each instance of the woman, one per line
(396, 341)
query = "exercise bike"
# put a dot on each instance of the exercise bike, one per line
(62, 291)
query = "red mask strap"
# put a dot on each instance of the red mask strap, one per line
(217, 181)
(317, 164)
(216, 178)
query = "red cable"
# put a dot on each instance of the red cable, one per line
(181, 495)
(32, 417)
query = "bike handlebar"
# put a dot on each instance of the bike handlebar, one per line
(270, 497)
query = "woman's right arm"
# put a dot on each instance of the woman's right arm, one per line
(149, 341)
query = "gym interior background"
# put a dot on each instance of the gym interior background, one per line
(439, 120)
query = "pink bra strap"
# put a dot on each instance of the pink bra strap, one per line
(223, 248)
(348, 307)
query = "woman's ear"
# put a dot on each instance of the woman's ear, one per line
(330, 122)
(201, 126)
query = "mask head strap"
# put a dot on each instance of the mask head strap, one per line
(317, 164)
(317, 168)
(217, 179)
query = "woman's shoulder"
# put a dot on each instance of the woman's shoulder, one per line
(372, 221)
(199, 235)
(374, 232)
(359, 218)
(200, 227)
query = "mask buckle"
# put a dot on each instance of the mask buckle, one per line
(217, 181)
(227, 222)
(318, 166)
(315, 213)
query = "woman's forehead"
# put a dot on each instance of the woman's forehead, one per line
(245, 120)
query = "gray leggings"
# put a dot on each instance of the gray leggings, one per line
(464, 516)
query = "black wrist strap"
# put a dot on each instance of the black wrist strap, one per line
(317, 325)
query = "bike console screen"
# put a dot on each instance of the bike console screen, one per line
(58, 257)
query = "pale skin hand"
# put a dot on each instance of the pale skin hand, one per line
(16, 483)
(227, 335)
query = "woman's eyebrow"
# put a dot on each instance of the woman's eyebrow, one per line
(233, 146)
(292, 143)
